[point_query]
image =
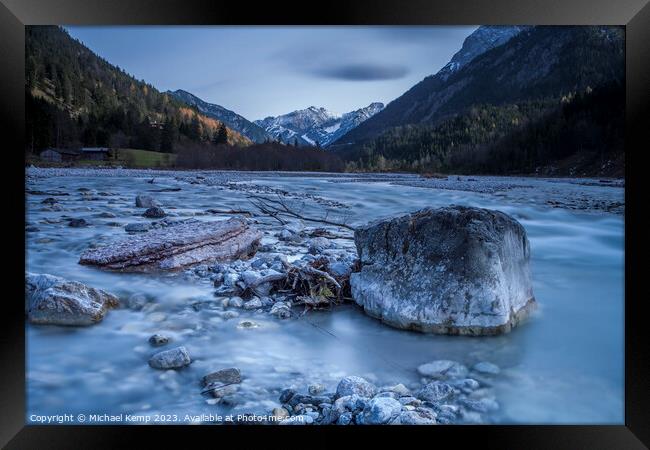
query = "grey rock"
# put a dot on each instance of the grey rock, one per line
(258, 263)
(400, 390)
(452, 270)
(286, 395)
(158, 340)
(379, 411)
(318, 245)
(254, 303)
(436, 392)
(344, 419)
(177, 246)
(410, 401)
(230, 375)
(229, 315)
(154, 213)
(56, 301)
(280, 413)
(340, 269)
(281, 310)
(355, 385)
(145, 201)
(106, 215)
(442, 369)
(465, 384)
(78, 223)
(138, 227)
(136, 301)
(329, 416)
(413, 418)
(316, 388)
(235, 302)
(174, 358)
(486, 368)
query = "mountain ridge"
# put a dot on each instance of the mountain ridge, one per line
(233, 120)
(316, 125)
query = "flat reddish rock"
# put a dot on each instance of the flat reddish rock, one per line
(177, 246)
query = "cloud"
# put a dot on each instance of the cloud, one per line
(361, 72)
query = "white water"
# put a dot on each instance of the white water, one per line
(565, 365)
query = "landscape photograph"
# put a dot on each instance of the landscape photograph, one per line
(324, 225)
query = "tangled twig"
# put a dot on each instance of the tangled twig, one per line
(277, 208)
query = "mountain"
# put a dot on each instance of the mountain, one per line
(76, 98)
(534, 62)
(316, 126)
(398, 112)
(483, 39)
(529, 82)
(233, 120)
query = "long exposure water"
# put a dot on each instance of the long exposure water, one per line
(564, 365)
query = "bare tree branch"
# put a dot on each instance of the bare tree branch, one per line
(275, 208)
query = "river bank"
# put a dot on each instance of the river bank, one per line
(576, 232)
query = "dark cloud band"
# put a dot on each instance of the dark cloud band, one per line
(362, 72)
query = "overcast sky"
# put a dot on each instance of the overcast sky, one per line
(268, 71)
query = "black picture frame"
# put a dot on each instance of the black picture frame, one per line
(15, 14)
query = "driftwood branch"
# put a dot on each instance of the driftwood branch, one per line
(277, 208)
(229, 211)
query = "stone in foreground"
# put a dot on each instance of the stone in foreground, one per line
(227, 376)
(177, 246)
(452, 270)
(355, 386)
(175, 358)
(56, 301)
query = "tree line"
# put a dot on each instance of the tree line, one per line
(263, 156)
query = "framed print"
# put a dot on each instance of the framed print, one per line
(396, 218)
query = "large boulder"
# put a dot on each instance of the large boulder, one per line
(56, 301)
(452, 270)
(177, 246)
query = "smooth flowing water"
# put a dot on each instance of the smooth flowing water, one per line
(565, 365)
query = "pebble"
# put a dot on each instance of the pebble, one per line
(254, 303)
(230, 375)
(315, 389)
(78, 223)
(442, 370)
(137, 227)
(158, 340)
(486, 368)
(355, 385)
(174, 358)
(154, 213)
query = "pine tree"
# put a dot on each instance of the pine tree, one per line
(169, 136)
(221, 135)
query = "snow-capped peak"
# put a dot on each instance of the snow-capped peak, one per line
(316, 125)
